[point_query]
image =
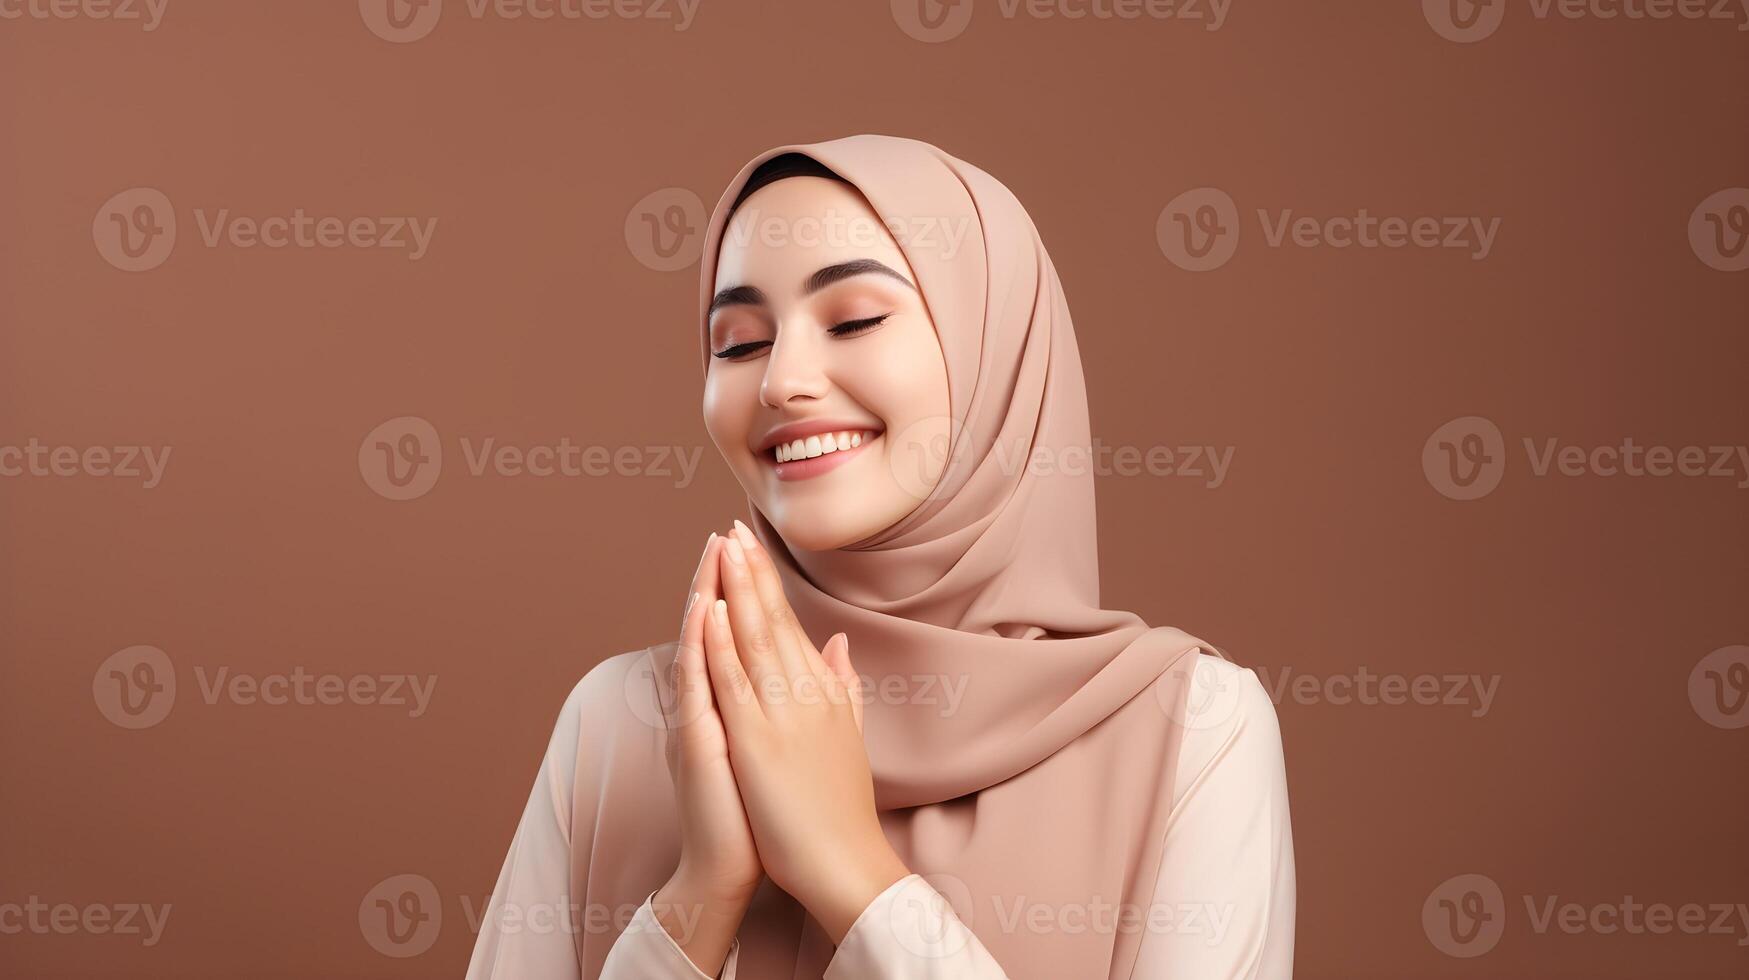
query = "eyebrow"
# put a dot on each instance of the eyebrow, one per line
(823, 277)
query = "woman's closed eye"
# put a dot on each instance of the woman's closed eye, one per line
(849, 328)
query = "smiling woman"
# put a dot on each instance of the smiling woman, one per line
(1098, 799)
(814, 338)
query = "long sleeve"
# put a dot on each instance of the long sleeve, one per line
(1223, 906)
(524, 934)
(519, 933)
(1227, 874)
(645, 952)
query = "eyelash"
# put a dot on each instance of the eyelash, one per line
(848, 328)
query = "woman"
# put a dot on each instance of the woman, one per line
(982, 773)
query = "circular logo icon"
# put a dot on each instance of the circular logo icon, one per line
(400, 21)
(1718, 687)
(1464, 916)
(401, 916)
(135, 230)
(918, 454)
(932, 21)
(1718, 230)
(1464, 21)
(401, 458)
(1199, 229)
(665, 229)
(1210, 697)
(136, 687)
(652, 693)
(922, 911)
(1465, 458)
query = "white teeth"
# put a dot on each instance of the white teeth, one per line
(820, 445)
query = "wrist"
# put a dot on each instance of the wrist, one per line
(700, 919)
(713, 888)
(842, 898)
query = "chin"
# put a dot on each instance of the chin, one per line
(824, 525)
(807, 529)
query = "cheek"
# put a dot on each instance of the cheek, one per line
(902, 380)
(728, 411)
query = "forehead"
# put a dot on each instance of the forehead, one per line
(787, 229)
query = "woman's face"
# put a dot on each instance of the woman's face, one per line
(826, 376)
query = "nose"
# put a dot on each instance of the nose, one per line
(793, 370)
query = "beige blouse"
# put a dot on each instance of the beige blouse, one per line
(1228, 842)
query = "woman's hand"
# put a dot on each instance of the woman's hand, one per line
(703, 903)
(793, 718)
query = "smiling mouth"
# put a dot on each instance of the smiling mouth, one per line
(801, 459)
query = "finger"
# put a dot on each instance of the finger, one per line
(703, 563)
(690, 679)
(735, 698)
(768, 656)
(704, 587)
(836, 654)
(684, 701)
(793, 644)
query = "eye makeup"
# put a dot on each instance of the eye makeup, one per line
(847, 328)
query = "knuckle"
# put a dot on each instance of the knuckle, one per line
(739, 683)
(759, 640)
(780, 615)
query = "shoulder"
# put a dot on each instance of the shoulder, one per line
(613, 699)
(616, 695)
(1229, 725)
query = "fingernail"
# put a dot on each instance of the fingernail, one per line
(707, 541)
(736, 555)
(720, 612)
(746, 536)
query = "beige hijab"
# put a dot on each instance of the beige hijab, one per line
(1047, 778)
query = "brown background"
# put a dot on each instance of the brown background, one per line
(1326, 550)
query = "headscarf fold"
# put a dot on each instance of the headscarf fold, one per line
(1048, 779)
